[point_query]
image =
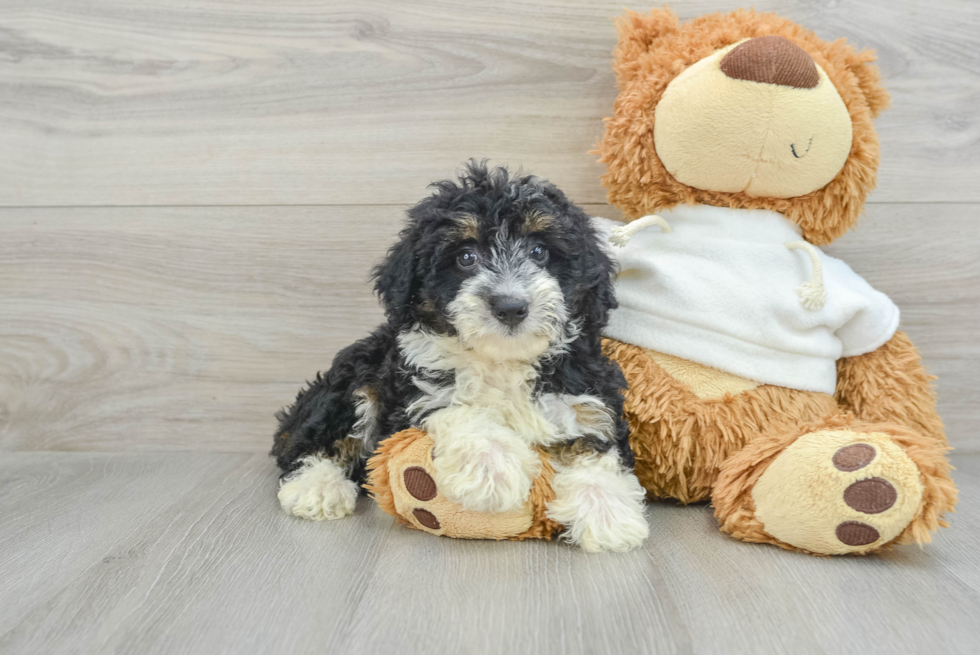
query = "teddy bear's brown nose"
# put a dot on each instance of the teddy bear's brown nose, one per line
(771, 60)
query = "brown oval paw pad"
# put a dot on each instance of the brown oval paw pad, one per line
(871, 496)
(420, 484)
(429, 520)
(854, 457)
(855, 533)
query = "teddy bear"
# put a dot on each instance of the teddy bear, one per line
(763, 375)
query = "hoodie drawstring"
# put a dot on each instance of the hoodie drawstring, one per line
(621, 234)
(812, 293)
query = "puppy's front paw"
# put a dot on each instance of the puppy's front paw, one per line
(487, 475)
(318, 491)
(600, 504)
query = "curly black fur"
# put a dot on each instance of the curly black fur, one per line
(417, 281)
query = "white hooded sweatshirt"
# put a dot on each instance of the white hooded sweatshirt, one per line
(722, 289)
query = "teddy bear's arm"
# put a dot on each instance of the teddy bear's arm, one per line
(890, 385)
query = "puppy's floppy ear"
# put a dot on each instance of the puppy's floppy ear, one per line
(596, 304)
(394, 278)
(596, 297)
(594, 267)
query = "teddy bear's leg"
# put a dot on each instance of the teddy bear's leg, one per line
(839, 486)
(890, 385)
(599, 503)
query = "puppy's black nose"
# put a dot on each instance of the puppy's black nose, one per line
(509, 310)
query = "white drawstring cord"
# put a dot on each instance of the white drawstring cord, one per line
(620, 235)
(812, 293)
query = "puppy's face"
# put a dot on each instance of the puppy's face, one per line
(507, 265)
(501, 289)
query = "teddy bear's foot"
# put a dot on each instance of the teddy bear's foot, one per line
(318, 490)
(600, 504)
(838, 491)
(838, 486)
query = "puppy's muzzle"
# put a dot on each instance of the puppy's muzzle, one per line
(508, 310)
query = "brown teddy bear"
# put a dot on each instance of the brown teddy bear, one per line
(764, 375)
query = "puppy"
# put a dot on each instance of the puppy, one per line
(495, 297)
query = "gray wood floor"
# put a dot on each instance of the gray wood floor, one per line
(191, 197)
(189, 553)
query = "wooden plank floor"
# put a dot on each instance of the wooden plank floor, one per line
(191, 197)
(189, 553)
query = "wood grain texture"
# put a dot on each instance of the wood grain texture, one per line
(190, 553)
(172, 329)
(109, 102)
(63, 514)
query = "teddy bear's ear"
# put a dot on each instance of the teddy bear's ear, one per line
(869, 80)
(637, 32)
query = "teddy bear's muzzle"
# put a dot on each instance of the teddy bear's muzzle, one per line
(758, 117)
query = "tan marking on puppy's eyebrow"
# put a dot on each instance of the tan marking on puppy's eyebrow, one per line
(468, 226)
(537, 222)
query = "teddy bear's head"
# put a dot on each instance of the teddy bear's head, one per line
(742, 110)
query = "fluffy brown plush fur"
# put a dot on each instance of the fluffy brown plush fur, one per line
(691, 447)
(680, 441)
(653, 49)
(904, 396)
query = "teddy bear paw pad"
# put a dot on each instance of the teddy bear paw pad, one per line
(854, 457)
(855, 533)
(871, 496)
(426, 518)
(419, 483)
(838, 491)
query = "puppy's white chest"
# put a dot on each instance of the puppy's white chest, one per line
(489, 396)
(501, 394)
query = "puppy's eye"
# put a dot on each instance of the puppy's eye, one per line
(467, 258)
(539, 254)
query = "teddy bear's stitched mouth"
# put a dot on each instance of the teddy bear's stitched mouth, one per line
(792, 148)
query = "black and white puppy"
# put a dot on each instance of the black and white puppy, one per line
(495, 296)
